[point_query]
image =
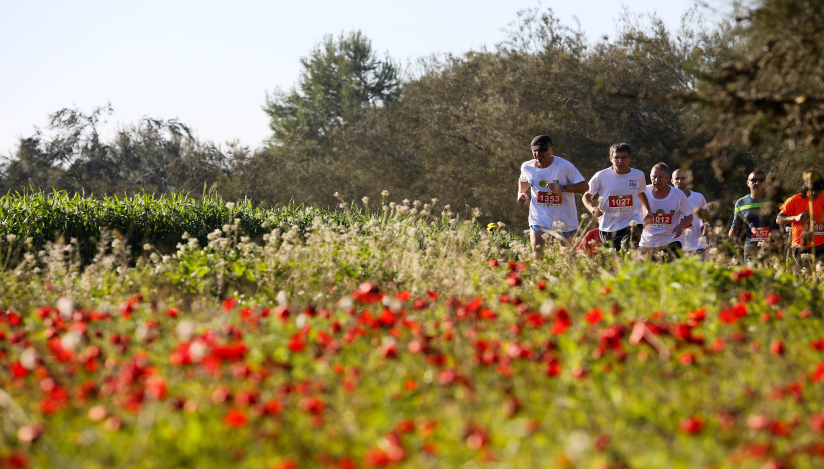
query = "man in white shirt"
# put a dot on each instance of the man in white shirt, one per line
(623, 207)
(551, 182)
(671, 214)
(696, 239)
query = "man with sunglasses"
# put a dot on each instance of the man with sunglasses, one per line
(623, 207)
(552, 182)
(754, 214)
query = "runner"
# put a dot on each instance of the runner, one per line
(796, 210)
(696, 239)
(671, 214)
(551, 181)
(760, 223)
(622, 199)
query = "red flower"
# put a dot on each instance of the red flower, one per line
(741, 274)
(733, 314)
(745, 297)
(156, 387)
(230, 352)
(691, 425)
(513, 279)
(235, 418)
(367, 293)
(313, 405)
(172, 312)
(287, 464)
(18, 370)
(594, 316)
(403, 296)
(493, 263)
(228, 304)
(562, 322)
(818, 374)
(772, 299)
(777, 347)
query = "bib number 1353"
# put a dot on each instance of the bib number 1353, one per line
(550, 199)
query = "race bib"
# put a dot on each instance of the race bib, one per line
(619, 202)
(818, 228)
(661, 220)
(550, 199)
(760, 234)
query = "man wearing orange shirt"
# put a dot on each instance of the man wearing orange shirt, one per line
(796, 210)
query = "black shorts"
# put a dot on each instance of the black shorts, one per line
(666, 252)
(624, 238)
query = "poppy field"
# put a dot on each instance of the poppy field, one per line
(401, 340)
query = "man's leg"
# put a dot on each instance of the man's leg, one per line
(536, 239)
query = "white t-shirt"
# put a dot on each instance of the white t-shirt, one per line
(666, 213)
(546, 208)
(694, 240)
(618, 197)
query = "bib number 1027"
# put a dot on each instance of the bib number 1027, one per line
(620, 202)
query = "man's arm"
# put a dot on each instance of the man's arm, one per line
(590, 206)
(523, 192)
(578, 187)
(783, 218)
(642, 197)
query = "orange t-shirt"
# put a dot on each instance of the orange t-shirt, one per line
(797, 205)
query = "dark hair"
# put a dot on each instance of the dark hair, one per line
(662, 167)
(616, 147)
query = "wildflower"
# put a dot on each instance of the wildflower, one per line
(772, 299)
(594, 316)
(562, 322)
(235, 418)
(691, 425)
(777, 347)
(818, 374)
(741, 274)
(228, 304)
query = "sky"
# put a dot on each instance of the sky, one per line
(210, 64)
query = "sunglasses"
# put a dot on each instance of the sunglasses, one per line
(757, 179)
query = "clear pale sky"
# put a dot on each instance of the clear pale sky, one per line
(210, 64)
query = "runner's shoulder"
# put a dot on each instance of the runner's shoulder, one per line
(528, 164)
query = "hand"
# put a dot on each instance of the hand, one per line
(523, 198)
(804, 216)
(554, 187)
(647, 219)
(677, 230)
(732, 233)
(597, 212)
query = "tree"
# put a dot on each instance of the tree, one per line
(340, 77)
(769, 87)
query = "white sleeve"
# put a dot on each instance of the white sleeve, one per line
(573, 175)
(686, 206)
(642, 184)
(594, 185)
(523, 175)
(703, 202)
